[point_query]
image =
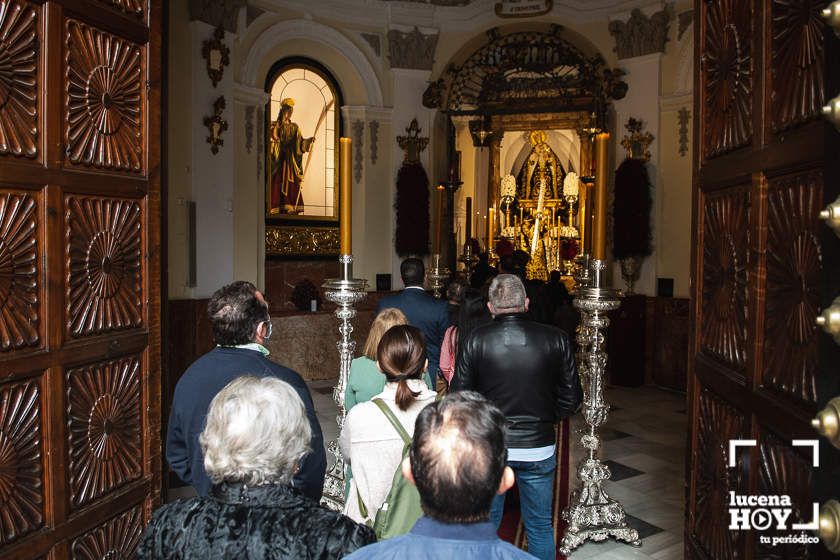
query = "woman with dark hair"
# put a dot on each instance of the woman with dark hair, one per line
(368, 441)
(473, 313)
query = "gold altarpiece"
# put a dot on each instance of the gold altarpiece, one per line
(540, 218)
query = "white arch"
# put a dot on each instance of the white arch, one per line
(284, 31)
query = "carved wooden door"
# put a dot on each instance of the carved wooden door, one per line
(79, 276)
(763, 268)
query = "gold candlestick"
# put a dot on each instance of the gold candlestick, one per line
(345, 194)
(599, 235)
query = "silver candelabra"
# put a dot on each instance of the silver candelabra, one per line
(592, 514)
(345, 292)
(437, 276)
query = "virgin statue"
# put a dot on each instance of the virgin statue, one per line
(286, 159)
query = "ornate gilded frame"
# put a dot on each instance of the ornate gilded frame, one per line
(294, 236)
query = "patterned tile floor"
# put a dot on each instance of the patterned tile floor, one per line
(644, 445)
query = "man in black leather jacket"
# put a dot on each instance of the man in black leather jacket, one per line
(526, 369)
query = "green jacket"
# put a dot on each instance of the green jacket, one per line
(366, 381)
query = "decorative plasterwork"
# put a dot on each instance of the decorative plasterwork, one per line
(685, 20)
(374, 40)
(249, 128)
(253, 71)
(520, 9)
(414, 50)
(218, 13)
(217, 55)
(641, 35)
(298, 241)
(358, 127)
(374, 140)
(683, 115)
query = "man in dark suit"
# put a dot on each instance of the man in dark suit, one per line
(423, 310)
(239, 315)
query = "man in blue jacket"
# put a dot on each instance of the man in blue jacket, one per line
(422, 310)
(457, 462)
(239, 315)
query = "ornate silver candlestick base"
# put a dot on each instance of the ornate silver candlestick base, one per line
(592, 514)
(437, 276)
(344, 292)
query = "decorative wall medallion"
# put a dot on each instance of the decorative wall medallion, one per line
(104, 100)
(713, 478)
(636, 143)
(217, 55)
(798, 81)
(135, 7)
(116, 539)
(723, 325)
(249, 128)
(104, 242)
(103, 422)
(683, 117)
(21, 474)
(641, 35)
(18, 78)
(374, 140)
(216, 125)
(358, 148)
(783, 471)
(301, 241)
(792, 292)
(19, 303)
(411, 50)
(412, 143)
(727, 72)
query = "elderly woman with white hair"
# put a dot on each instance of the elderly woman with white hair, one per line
(254, 438)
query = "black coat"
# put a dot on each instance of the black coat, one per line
(527, 370)
(196, 388)
(235, 522)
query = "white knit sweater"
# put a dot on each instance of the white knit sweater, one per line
(374, 448)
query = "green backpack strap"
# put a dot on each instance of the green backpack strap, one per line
(393, 420)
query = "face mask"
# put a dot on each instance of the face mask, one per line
(270, 329)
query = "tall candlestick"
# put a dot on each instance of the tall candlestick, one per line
(491, 227)
(468, 229)
(344, 195)
(438, 217)
(599, 234)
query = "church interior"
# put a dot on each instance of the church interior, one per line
(673, 164)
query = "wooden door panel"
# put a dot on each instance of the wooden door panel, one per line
(20, 69)
(22, 503)
(782, 470)
(20, 292)
(726, 43)
(104, 429)
(79, 259)
(115, 538)
(103, 244)
(712, 479)
(725, 263)
(796, 80)
(104, 100)
(791, 291)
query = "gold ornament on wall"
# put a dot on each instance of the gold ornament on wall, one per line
(216, 125)
(296, 241)
(636, 142)
(217, 55)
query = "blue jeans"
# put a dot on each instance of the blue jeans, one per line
(536, 482)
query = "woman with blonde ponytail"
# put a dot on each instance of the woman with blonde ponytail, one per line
(368, 440)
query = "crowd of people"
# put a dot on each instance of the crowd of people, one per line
(450, 403)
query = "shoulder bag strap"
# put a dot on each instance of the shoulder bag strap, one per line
(393, 420)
